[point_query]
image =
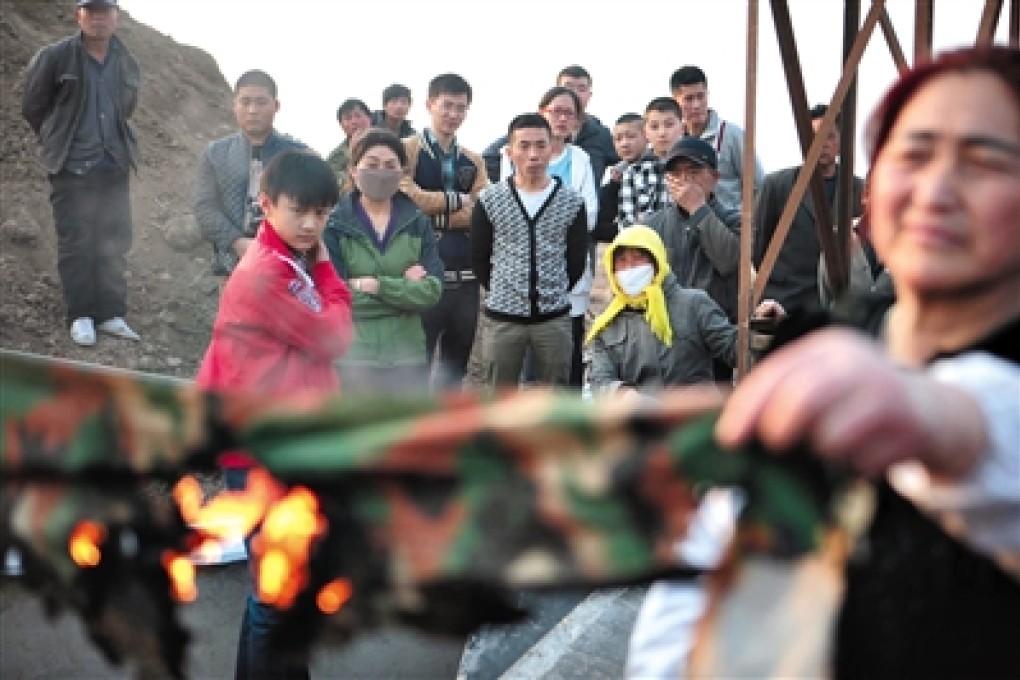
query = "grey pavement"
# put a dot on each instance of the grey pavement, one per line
(34, 648)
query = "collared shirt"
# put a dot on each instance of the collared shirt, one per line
(643, 190)
(97, 142)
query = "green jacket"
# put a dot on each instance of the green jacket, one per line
(387, 326)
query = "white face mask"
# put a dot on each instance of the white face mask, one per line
(634, 280)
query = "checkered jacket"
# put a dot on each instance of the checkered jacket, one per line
(642, 190)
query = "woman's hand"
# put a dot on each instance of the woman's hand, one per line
(415, 272)
(837, 392)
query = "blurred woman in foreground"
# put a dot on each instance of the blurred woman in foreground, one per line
(935, 413)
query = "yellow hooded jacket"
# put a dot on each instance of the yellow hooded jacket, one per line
(651, 299)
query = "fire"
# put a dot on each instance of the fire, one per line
(181, 571)
(230, 513)
(84, 543)
(334, 595)
(282, 548)
(280, 551)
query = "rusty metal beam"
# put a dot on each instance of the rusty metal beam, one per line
(989, 20)
(895, 49)
(922, 30)
(811, 160)
(847, 148)
(798, 100)
(745, 274)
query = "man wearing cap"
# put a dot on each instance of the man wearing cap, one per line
(701, 236)
(79, 93)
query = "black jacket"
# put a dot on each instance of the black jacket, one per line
(54, 97)
(794, 278)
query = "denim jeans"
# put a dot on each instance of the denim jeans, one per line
(256, 659)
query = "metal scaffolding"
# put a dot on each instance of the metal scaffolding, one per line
(835, 242)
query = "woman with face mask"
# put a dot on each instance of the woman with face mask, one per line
(384, 247)
(655, 333)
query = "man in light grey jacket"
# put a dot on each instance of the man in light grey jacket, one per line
(689, 87)
(227, 186)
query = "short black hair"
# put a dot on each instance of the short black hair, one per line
(664, 105)
(378, 136)
(686, 75)
(573, 71)
(302, 176)
(554, 92)
(526, 121)
(818, 111)
(396, 91)
(350, 105)
(629, 118)
(256, 78)
(449, 83)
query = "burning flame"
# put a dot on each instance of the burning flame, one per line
(334, 595)
(281, 550)
(181, 571)
(84, 543)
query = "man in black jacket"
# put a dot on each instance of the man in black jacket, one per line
(79, 93)
(794, 279)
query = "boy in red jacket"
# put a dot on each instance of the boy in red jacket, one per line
(284, 317)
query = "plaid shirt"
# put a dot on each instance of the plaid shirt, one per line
(642, 191)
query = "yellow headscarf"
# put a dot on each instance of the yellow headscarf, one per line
(651, 299)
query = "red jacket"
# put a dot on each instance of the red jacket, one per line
(278, 329)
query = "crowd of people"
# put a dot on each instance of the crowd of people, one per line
(408, 263)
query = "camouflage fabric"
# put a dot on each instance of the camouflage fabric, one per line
(430, 502)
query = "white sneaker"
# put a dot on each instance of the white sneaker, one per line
(83, 332)
(118, 327)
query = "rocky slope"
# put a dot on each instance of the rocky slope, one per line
(184, 102)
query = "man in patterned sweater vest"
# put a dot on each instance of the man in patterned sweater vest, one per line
(529, 241)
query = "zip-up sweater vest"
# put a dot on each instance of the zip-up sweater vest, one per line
(529, 255)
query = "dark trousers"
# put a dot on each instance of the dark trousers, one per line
(92, 214)
(256, 656)
(450, 324)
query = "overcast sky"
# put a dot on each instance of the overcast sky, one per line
(322, 51)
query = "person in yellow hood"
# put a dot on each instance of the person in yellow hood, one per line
(655, 333)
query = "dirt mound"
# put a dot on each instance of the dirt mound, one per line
(183, 103)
